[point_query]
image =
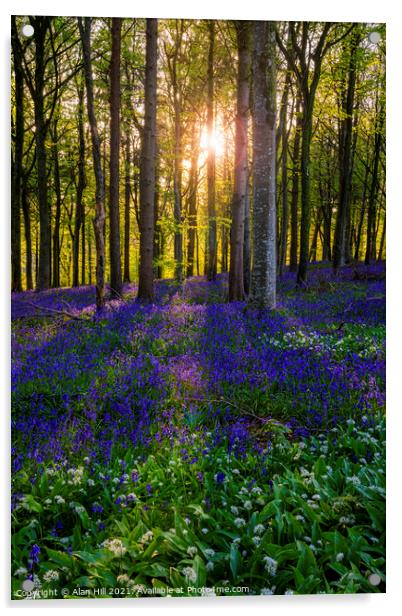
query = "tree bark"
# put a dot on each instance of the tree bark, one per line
(99, 220)
(17, 170)
(236, 280)
(116, 284)
(212, 252)
(263, 277)
(41, 25)
(295, 189)
(127, 199)
(341, 240)
(80, 188)
(147, 167)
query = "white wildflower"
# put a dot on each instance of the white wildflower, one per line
(192, 550)
(51, 576)
(271, 565)
(114, 545)
(190, 574)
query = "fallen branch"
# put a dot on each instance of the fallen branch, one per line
(58, 312)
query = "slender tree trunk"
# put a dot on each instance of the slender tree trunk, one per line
(236, 281)
(41, 25)
(284, 179)
(263, 277)
(247, 242)
(57, 218)
(17, 171)
(99, 220)
(192, 204)
(295, 189)
(371, 213)
(80, 188)
(127, 198)
(382, 242)
(212, 249)
(28, 235)
(345, 149)
(116, 284)
(147, 167)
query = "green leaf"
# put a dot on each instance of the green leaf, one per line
(31, 504)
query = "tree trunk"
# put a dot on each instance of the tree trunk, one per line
(116, 284)
(99, 220)
(341, 239)
(284, 179)
(41, 25)
(236, 281)
(57, 218)
(28, 235)
(17, 171)
(127, 198)
(80, 188)
(192, 204)
(295, 189)
(147, 167)
(263, 277)
(212, 252)
(371, 213)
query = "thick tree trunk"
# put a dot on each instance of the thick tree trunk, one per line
(116, 284)
(263, 278)
(99, 220)
(147, 167)
(17, 171)
(236, 281)
(212, 249)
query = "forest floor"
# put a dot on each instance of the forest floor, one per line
(195, 447)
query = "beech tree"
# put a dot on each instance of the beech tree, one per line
(236, 281)
(147, 167)
(263, 275)
(99, 220)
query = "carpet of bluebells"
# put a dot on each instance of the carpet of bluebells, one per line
(195, 447)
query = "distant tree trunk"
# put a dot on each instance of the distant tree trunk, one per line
(127, 198)
(295, 189)
(80, 188)
(263, 277)
(382, 242)
(83, 246)
(247, 242)
(236, 281)
(147, 167)
(212, 252)
(28, 234)
(341, 240)
(116, 284)
(192, 204)
(17, 171)
(284, 178)
(57, 218)
(41, 25)
(99, 220)
(371, 213)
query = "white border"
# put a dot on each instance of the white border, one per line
(341, 10)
